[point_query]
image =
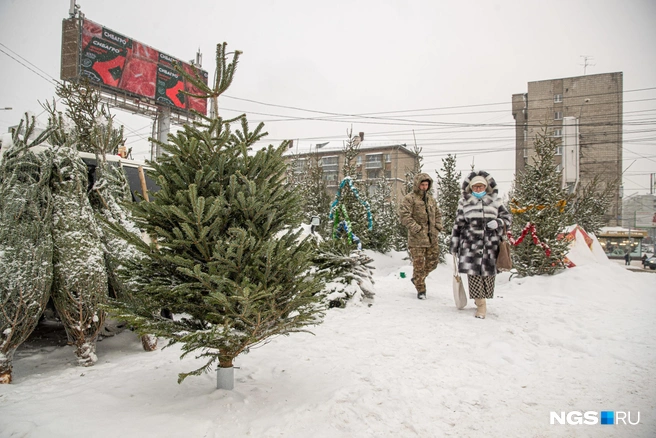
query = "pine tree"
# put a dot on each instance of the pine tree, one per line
(539, 199)
(448, 193)
(224, 258)
(25, 242)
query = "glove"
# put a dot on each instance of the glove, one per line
(493, 224)
(416, 229)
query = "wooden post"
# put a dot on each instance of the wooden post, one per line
(142, 178)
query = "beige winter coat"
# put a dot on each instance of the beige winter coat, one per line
(420, 215)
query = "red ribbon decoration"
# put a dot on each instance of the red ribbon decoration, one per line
(529, 227)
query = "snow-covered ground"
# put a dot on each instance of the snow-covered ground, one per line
(582, 340)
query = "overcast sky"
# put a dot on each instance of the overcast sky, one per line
(435, 67)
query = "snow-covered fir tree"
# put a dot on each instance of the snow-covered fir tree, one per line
(80, 278)
(538, 199)
(591, 204)
(317, 199)
(312, 187)
(224, 259)
(348, 273)
(387, 232)
(351, 204)
(25, 242)
(448, 189)
(416, 168)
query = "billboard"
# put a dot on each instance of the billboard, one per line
(121, 64)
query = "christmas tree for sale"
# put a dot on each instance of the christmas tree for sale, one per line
(386, 233)
(348, 273)
(224, 258)
(25, 243)
(448, 194)
(80, 278)
(539, 207)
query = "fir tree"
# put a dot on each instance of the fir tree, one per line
(387, 229)
(416, 168)
(80, 279)
(448, 193)
(539, 199)
(312, 188)
(317, 199)
(591, 202)
(25, 242)
(352, 197)
(348, 273)
(91, 122)
(224, 258)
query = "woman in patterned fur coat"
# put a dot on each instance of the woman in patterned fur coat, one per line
(476, 235)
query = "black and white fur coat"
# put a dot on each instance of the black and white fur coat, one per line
(476, 245)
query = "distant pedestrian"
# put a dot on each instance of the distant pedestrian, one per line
(627, 258)
(644, 261)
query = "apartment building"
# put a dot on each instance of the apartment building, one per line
(585, 114)
(377, 159)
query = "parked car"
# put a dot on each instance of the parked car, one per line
(651, 262)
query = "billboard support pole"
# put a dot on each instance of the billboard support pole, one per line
(163, 127)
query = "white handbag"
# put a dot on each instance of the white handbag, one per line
(459, 295)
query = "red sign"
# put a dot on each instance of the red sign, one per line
(117, 61)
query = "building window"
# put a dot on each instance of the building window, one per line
(388, 174)
(559, 151)
(300, 166)
(558, 167)
(525, 135)
(558, 115)
(374, 161)
(358, 160)
(525, 152)
(329, 163)
(330, 178)
(557, 133)
(558, 98)
(388, 158)
(373, 173)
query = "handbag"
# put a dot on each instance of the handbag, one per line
(459, 295)
(504, 262)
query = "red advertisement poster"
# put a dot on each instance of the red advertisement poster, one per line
(169, 87)
(119, 62)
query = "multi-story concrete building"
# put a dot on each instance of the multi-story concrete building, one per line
(377, 160)
(585, 113)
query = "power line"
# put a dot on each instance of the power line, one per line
(49, 78)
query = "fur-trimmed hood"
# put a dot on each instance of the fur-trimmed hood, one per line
(491, 189)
